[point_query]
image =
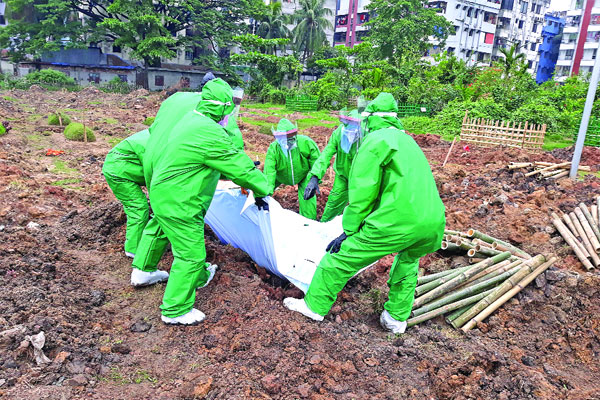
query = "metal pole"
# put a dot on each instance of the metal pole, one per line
(585, 118)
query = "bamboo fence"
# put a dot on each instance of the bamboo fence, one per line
(489, 133)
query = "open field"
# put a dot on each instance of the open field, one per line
(68, 277)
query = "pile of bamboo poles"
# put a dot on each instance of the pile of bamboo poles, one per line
(546, 170)
(581, 231)
(468, 294)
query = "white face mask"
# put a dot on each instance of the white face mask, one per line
(287, 144)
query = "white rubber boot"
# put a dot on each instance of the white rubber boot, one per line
(130, 255)
(143, 278)
(300, 306)
(192, 317)
(212, 268)
(390, 324)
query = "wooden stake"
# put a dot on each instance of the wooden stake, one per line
(590, 220)
(572, 232)
(585, 239)
(84, 134)
(572, 242)
(449, 151)
(587, 228)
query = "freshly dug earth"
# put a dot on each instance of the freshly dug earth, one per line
(63, 272)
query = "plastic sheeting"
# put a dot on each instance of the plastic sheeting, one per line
(279, 240)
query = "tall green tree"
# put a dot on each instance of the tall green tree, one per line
(311, 21)
(273, 24)
(402, 29)
(512, 59)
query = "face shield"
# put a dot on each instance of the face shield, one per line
(351, 130)
(225, 107)
(287, 139)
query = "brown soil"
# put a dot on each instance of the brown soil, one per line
(68, 277)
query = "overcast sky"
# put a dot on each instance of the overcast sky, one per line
(560, 5)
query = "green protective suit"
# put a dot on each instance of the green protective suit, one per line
(394, 206)
(185, 171)
(292, 167)
(153, 242)
(124, 174)
(338, 196)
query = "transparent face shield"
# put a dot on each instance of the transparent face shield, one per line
(351, 130)
(287, 139)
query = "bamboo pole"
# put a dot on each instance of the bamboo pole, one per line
(465, 244)
(594, 212)
(473, 233)
(570, 239)
(585, 239)
(573, 239)
(488, 271)
(551, 173)
(84, 134)
(431, 277)
(449, 151)
(550, 168)
(496, 272)
(497, 303)
(450, 232)
(544, 163)
(465, 292)
(570, 225)
(447, 308)
(59, 119)
(457, 313)
(426, 287)
(519, 165)
(558, 176)
(449, 246)
(587, 229)
(598, 204)
(527, 268)
(487, 250)
(482, 243)
(475, 260)
(590, 220)
(458, 279)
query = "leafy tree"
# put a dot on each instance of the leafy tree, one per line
(311, 22)
(404, 28)
(273, 25)
(271, 67)
(512, 59)
(148, 28)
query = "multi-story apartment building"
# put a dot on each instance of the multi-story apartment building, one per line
(288, 7)
(581, 37)
(350, 17)
(549, 47)
(521, 21)
(2, 14)
(474, 28)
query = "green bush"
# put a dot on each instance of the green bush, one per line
(74, 131)
(2, 129)
(49, 77)
(149, 121)
(54, 120)
(420, 125)
(116, 85)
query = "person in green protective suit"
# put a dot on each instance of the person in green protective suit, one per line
(184, 173)
(289, 159)
(232, 127)
(343, 144)
(394, 206)
(124, 174)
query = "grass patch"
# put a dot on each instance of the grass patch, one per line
(66, 182)
(265, 106)
(137, 377)
(95, 102)
(308, 122)
(111, 121)
(113, 141)
(255, 122)
(8, 98)
(60, 167)
(556, 141)
(265, 130)
(583, 174)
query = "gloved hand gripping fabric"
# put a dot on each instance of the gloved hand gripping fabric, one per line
(312, 188)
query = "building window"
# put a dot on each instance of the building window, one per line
(189, 54)
(471, 32)
(480, 56)
(529, 64)
(470, 12)
(451, 50)
(364, 17)
(520, 24)
(489, 38)
(116, 49)
(489, 17)
(534, 29)
(341, 20)
(2, 20)
(538, 9)
(507, 4)
(94, 77)
(339, 37)
(524, 7)
(123, 78)
(533, 46)
(532, 7)
(159, 80)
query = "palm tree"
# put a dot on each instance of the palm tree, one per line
(311, 22)
(512, 59)
(273, 26)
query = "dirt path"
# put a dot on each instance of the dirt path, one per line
(68, 278)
